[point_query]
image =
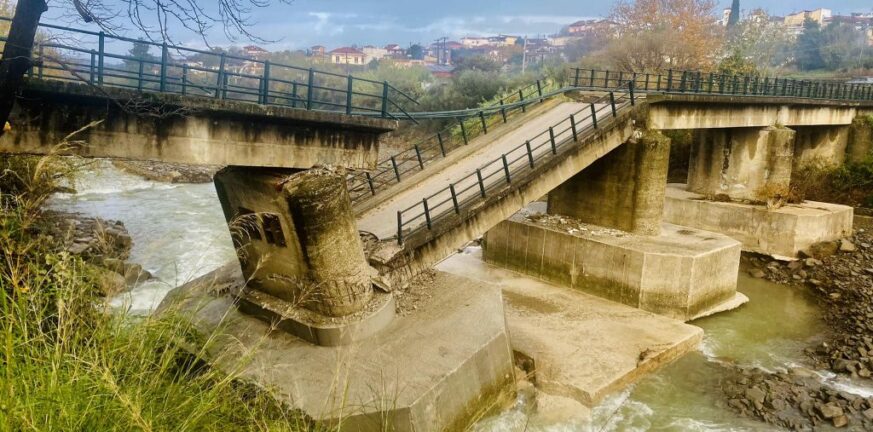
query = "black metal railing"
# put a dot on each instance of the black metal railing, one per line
(723, 84)
(470, 125)
(100, 59)
(477, 186)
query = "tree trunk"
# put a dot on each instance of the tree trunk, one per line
(17, 53)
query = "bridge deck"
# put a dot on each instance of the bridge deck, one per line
(382, 220)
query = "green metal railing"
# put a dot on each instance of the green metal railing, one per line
(101, 59)
(455, 200)
(722, 84)
(470, 125)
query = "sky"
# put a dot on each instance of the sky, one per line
(334, 23)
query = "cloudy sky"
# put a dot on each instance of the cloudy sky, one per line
(333, 23)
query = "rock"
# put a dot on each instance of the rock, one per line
(108, 283)
(868, 414)
(821, 250)
(755, 395)
(78, 248)
(134, 274)
(847, 246)
(840, 421)
(830, 410)
(795, 265)
(757, 273)
(812, 262)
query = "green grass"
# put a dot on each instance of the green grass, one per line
(68, 364)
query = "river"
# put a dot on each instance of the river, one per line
(179, 234)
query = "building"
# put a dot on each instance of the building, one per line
(441, 71)
(317, 51)
(474, 41)
(374, 53)
(395, 50)
(798, 18)
(347, 56)
(589, 27)
(255, 52)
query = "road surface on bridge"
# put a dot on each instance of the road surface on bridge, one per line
(382, 220)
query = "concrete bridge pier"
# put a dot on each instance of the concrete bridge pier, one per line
(739, 184)
(604, 235)
(301, 254)
(860, 141)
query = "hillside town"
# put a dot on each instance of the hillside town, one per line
(566, 44)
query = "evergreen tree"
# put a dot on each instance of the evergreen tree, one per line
(139, 51)
(809, 45)
(734, 17)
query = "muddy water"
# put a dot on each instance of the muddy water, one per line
(179, 234)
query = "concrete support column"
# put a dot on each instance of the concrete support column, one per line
(742, 163)
(860, 145)
(622, 190)
(820, 146)
(296, 237)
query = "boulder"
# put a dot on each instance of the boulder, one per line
(821, 250)
(847, 246)
(830, 410)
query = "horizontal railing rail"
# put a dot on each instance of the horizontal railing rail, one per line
(673, 81)
(477, 186)
(400, 166)
(97, 57)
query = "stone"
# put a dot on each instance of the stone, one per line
(868, 414)
(78, 248)
(812, 262)
(847, 246)
(830, 410)
(107, 282)
(795, 265)
(755, 395)
(757, 273)
(840, 421)
(822, 249)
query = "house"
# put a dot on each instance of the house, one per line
(374, 53)
(589, 27)
(798, 18)
(441, 71)
(394, 50)
(347, 56)
(255, 52)
(317, 51)
(474, 41)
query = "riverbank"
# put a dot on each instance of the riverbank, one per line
(839, 276)
(168, 172)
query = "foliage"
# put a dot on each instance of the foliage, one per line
(849, 184)
(478, 63)
(755, 46)
(660, 34)
(837, 46)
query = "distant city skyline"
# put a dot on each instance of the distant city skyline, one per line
(335, 23)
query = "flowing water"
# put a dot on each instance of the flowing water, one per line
(179, 233)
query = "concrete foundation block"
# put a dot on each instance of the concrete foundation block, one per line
(430, 370)
(781, 233)
(681, 273)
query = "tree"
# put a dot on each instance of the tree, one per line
(734, 17)
(808, 48)
(416, 52)
(756, 46)
(232, 15)
(139, 51)
(656, 34)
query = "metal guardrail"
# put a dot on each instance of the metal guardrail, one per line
(474, 123)
(499, 173)
(712, 83)
(252, 80)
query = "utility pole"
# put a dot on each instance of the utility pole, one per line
(524, 55)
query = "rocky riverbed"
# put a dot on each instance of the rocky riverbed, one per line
(104, 244)
(840, 275)
(168, 172)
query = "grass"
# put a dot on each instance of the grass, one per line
(67, 363)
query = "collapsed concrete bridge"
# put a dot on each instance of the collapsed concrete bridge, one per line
(597, 156)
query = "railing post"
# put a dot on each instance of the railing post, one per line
(349, 89)
(294, 94)
(682, 82)
(184, 79)
(310, 86)
(426, 214)
(42, 62)
(506, 168)
(267, 71)
(631, 91)
(576, 79)
(139, 77)
(370, 182)
(502, 110)
(481, 183)
(463, 130)
(521, 98)
(385, 99)
(552, 140)
(594, 116)
(165, 58)
(396, 171)
(612, 102)
(220, 79)
(224, 86)
(573, 126)
(669, 80)
(399, 228)
(101, 52)
(530, 157)
(540, 90)
(440, 140)
(592, 78)
(418, 155)
(92, 75)
(647, 81)
(606, 80)
(482, 120)
(710, 83)
(454, 198)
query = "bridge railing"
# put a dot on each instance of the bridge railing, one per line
(491, 177)
(713, 83)
(469, 125)
(64, 53)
